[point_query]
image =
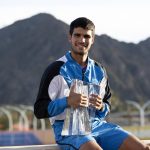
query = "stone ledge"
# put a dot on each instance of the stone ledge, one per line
(32, 147)
(44, 147)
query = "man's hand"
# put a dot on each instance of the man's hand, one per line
(76, 100)
(96, 101)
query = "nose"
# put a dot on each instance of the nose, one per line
(82, 39)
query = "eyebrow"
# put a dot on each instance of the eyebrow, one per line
(85, 35)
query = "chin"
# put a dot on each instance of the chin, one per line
(80, 51)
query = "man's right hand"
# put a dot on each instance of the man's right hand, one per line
(76, 100)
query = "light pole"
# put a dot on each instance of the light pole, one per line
(10, 120)
(141, 110)
(22, 115)
(43, 126)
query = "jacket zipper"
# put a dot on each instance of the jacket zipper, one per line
(83, 74)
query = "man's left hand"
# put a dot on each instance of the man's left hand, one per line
(96, 101)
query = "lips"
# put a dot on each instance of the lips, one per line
(82, 45)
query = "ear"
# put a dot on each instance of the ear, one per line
(69, 37)
(93, 38)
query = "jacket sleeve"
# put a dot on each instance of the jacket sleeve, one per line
(106, 102)
(106, 99)
(43, 100)
(107, 96)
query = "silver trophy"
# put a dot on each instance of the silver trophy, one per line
(93, 89)
(79, 121)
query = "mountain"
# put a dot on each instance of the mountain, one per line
(28, 46)
(127, 66)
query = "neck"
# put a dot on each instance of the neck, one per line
(80, 59)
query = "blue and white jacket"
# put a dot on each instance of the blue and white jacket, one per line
(55, 83)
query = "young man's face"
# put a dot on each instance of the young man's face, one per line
(81, 40)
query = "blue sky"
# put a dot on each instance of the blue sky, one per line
(124, 20)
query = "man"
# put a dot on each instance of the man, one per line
(54, 96)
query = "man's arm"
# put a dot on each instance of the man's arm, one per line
(107, 95)
(106, 102)
(43, 100)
